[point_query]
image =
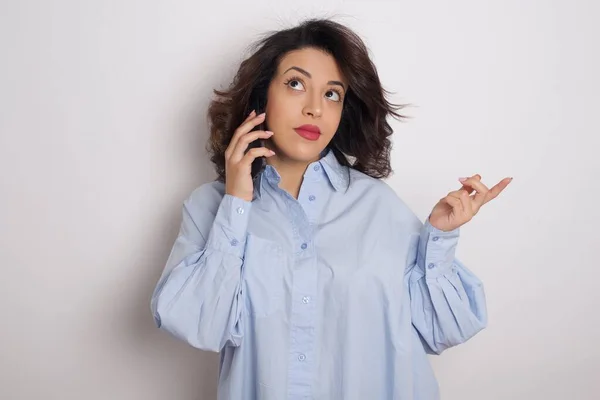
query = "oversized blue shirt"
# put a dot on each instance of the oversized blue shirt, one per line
(339, 294)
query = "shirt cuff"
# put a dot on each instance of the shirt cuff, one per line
(230, 227)
(437, 250)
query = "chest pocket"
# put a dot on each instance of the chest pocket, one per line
(263, 276)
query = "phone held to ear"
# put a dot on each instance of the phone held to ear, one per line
(260, 162)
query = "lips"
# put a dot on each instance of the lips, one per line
(309, 132)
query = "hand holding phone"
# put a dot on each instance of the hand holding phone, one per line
(241, 157)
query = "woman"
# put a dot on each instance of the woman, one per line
(298, 264)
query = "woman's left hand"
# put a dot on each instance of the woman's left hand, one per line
(458, 207)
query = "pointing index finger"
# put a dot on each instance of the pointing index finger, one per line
(499, 187)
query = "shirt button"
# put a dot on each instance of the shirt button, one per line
(234, 242)
(305, 299)
(311, 198)
(301, 357)
(436, 238)
(304, 246)
(317, 167)
(240, 210)
(431, 265)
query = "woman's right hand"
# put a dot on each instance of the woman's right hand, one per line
(238, 166)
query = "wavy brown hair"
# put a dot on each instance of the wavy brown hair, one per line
(363, 132)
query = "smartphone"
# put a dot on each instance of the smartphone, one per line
(260, 162)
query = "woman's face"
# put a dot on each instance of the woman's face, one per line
(307, 89)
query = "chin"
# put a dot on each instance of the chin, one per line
(304, 152)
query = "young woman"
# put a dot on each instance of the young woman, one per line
(298, 264)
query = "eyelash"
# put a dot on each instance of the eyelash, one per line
(297, 78)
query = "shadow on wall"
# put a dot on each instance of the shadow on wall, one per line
(166, 367)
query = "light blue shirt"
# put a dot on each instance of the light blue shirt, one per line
(336, 295)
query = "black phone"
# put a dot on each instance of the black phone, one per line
(259, 163)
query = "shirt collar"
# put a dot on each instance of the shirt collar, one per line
(337, 174)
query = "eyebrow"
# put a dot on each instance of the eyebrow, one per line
(302, 71)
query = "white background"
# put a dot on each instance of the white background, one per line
(102, 122)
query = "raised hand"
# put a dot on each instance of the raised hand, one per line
(459, 206)
(238, 162)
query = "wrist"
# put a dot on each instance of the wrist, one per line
(239, 196)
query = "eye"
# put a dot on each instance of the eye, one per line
(295, 84)
(333, 95)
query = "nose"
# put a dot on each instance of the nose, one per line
(313, 108)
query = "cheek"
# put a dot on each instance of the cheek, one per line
(281, 111)
(276, 108)
(280, 101)
(276, 116)
(333, 119)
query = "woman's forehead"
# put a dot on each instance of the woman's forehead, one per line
(317, 63)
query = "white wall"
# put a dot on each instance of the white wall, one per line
(102, 134)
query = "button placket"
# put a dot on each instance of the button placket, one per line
(302, 317)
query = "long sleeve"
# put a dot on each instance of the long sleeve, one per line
(198, 298)
(447, 300)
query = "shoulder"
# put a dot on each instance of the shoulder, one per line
(206, 197)
(383, 195)
(377, 188)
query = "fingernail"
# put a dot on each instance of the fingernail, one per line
(269, 132)
(252, 112)
(272, 152)
(462, 179)
(262, 115)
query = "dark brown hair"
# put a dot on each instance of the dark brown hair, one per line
(363, 132)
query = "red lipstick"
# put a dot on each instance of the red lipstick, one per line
(309, 132)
